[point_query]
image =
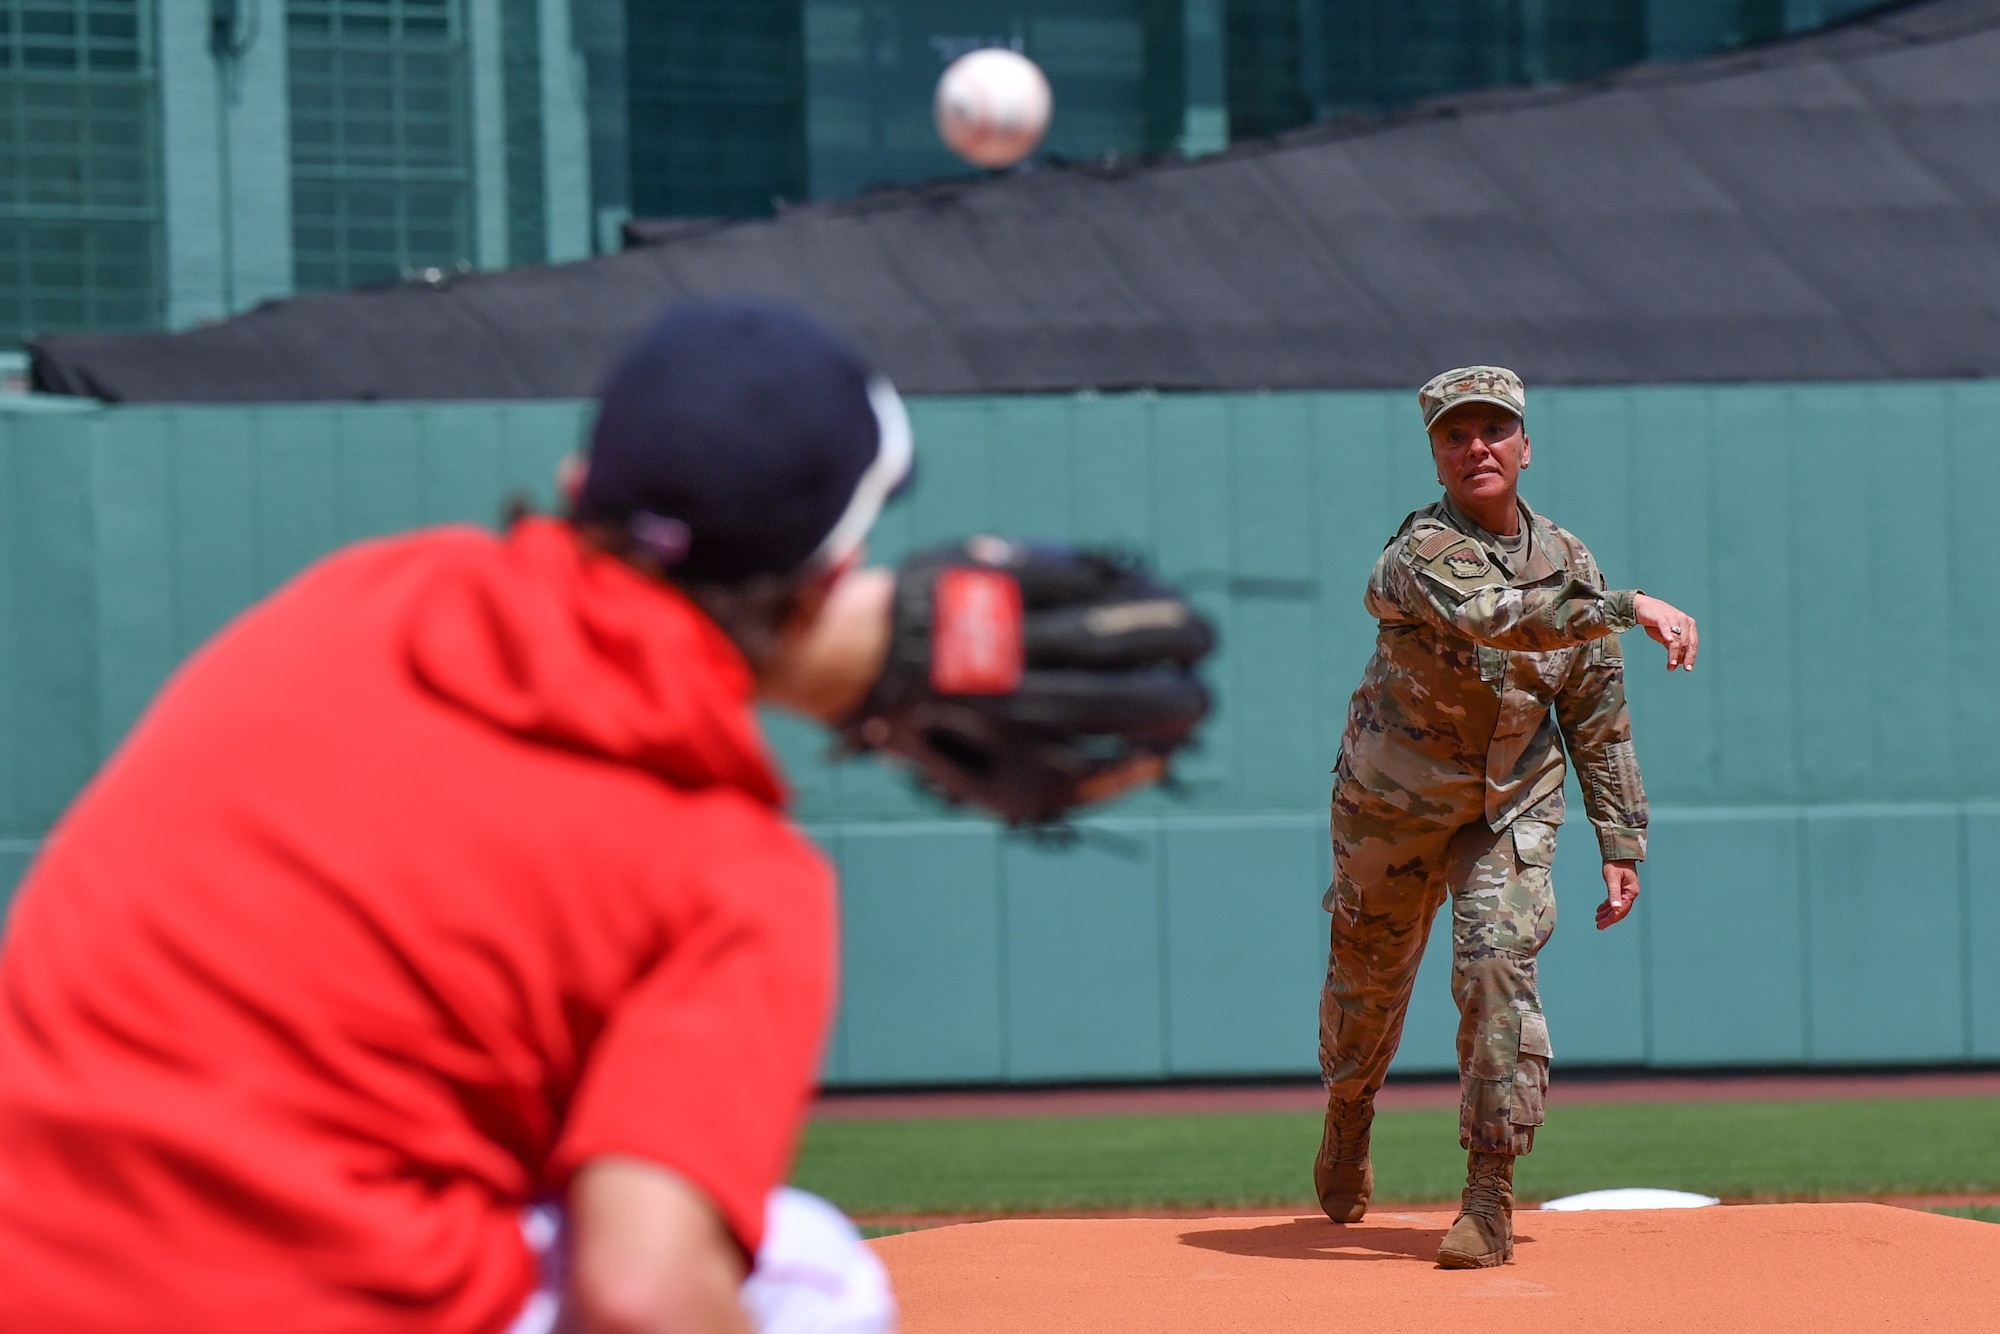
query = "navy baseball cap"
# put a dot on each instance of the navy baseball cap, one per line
(743, 437)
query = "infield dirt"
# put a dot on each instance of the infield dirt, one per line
(1752, 1269)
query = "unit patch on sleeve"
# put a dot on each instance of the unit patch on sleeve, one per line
(1466, 562)
(1456, 561)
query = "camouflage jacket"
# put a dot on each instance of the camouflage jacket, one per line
(1482, 673)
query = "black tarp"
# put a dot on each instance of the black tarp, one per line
(1826, 208)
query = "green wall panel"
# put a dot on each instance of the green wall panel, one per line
(213, 503)
(1825, 885)
(535, 439)
(1581, 472)
(378, 470)
(1982, 932)
(1971, 500)
(137, 578)
(298, 488)
(12, 779)
(1112, 472)
(951, 495)
(1832, 479)
(1885, 977)
(458, 468)
(922, 992)
(1911, 579)
(1271, 463)
(1593, 982)
(1671, 529)
(831, 840)
(1191, 479)
(1725, 935)
(1747, 625)
(1083, 933)
(1245, 944)
(52, 743)
(1029, 489)
(1360, 459)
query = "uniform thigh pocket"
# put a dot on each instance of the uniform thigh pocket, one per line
(1530, 899)
(1535, 1035)
(1531, 1071)
(1535, 843)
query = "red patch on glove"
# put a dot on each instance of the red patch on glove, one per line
(976, 644)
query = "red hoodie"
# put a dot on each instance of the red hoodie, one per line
(456, 863)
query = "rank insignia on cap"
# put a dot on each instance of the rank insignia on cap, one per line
(1467, 562)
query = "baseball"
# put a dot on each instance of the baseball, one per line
(992, 107)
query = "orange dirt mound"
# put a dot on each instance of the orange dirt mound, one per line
(1824, 1268)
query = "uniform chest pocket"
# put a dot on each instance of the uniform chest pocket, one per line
(1544, 673)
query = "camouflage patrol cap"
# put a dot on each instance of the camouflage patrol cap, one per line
(1472, 384)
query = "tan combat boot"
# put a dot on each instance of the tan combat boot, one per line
(1342, 1174)
(1483, 1236)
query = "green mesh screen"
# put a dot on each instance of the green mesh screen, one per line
(381, 154)
(79, 169)
(1292, 61)
(1115, 67)
(521, 42)
(715, 105)
(1264, 52)
(1379, 54)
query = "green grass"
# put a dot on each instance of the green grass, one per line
(1985, 1213)
(1799, 1150)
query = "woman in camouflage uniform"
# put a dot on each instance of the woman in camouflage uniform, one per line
(1497, 648)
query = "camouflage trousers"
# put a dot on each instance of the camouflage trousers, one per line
(1392, 872)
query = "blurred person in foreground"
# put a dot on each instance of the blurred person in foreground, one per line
(455, 877)
(1496, 649)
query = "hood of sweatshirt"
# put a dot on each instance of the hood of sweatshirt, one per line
(545, 638)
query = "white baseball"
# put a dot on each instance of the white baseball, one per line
(992, 107)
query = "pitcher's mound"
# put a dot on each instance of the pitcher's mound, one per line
(1823, 1268)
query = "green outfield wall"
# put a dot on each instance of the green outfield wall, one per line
(1825, 880)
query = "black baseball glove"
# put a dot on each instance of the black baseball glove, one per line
(1031, 679)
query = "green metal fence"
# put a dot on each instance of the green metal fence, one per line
(80, 195)
(382, 178)
(1825, 880)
